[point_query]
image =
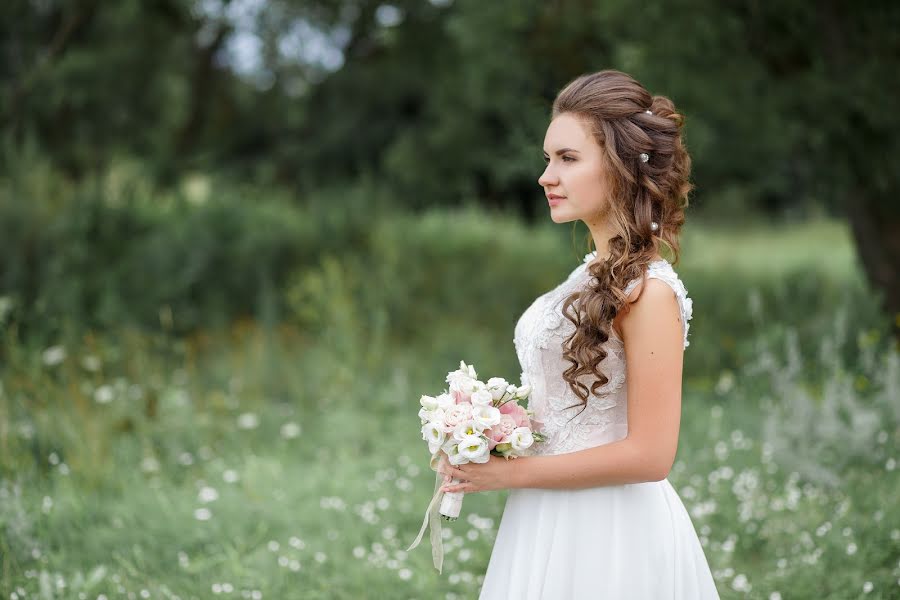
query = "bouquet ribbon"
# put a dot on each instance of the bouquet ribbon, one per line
(433, 518)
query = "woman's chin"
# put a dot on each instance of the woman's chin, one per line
(560, 216)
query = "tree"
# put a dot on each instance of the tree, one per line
(798, 96)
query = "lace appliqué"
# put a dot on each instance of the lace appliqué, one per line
(538, 339)
(568, 424)
(540, 334)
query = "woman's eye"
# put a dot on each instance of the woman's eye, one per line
(568, 159)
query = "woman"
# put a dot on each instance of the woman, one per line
(591, 513)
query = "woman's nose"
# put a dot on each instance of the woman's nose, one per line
(546, 178)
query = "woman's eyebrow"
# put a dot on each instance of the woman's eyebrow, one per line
(563, 151)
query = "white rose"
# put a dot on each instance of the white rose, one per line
(465, 429)
(486, 416)
(468, 369)
(497, 387)
(449, 444)
(497, 382)
(482, 398)
(445, 401)
(428, 402)
(469, 386)
(461, 383)
(474, 448)
(434, 435)
(473, 386)
(464, 373)
(436, 415)
(521, 439)
(456, 414)
(523, 391)
(451, 447)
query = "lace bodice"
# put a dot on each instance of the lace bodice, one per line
(539, 335)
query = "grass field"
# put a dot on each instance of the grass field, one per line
(279, 462)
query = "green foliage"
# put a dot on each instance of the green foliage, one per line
(762, 280)
(451, 100)
(116, 250)
(455, 266)
(440, 102)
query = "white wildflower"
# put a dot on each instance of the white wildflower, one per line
(53, 355)
(290, 430)
(248, 420)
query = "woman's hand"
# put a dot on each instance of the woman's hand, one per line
(495, 474)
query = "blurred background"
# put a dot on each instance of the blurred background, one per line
(238, 240)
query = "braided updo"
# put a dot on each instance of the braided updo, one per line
(613, 107)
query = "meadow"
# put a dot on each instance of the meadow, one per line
(278, 455)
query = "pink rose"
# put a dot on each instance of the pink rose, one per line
(504, 429)
(491, 441)
(499, 433)
(516, 412)
(460, 397)
(456, 414)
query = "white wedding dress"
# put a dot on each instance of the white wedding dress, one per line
(620, 542)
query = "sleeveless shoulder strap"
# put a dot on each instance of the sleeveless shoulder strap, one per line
(661, 269)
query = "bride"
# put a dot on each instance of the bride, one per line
(591, 513)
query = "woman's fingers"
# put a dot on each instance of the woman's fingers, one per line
(447, 470)
(464, 487)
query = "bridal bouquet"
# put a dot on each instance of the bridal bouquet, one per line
(467, 423)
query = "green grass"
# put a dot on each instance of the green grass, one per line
(285, 462)
(771, 250)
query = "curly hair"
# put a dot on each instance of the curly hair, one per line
(612, 106)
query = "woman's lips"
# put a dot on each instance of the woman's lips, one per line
(554, 200)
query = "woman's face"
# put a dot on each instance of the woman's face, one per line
(575, 171)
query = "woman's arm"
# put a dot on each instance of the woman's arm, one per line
(654, 353)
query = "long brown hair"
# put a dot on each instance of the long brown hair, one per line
(612, 105)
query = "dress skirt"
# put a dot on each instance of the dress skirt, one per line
(628, 542)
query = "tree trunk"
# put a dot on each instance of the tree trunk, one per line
(201, 88)
(871, 209)
(877, 236)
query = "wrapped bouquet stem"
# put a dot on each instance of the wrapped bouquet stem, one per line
(451, 503)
